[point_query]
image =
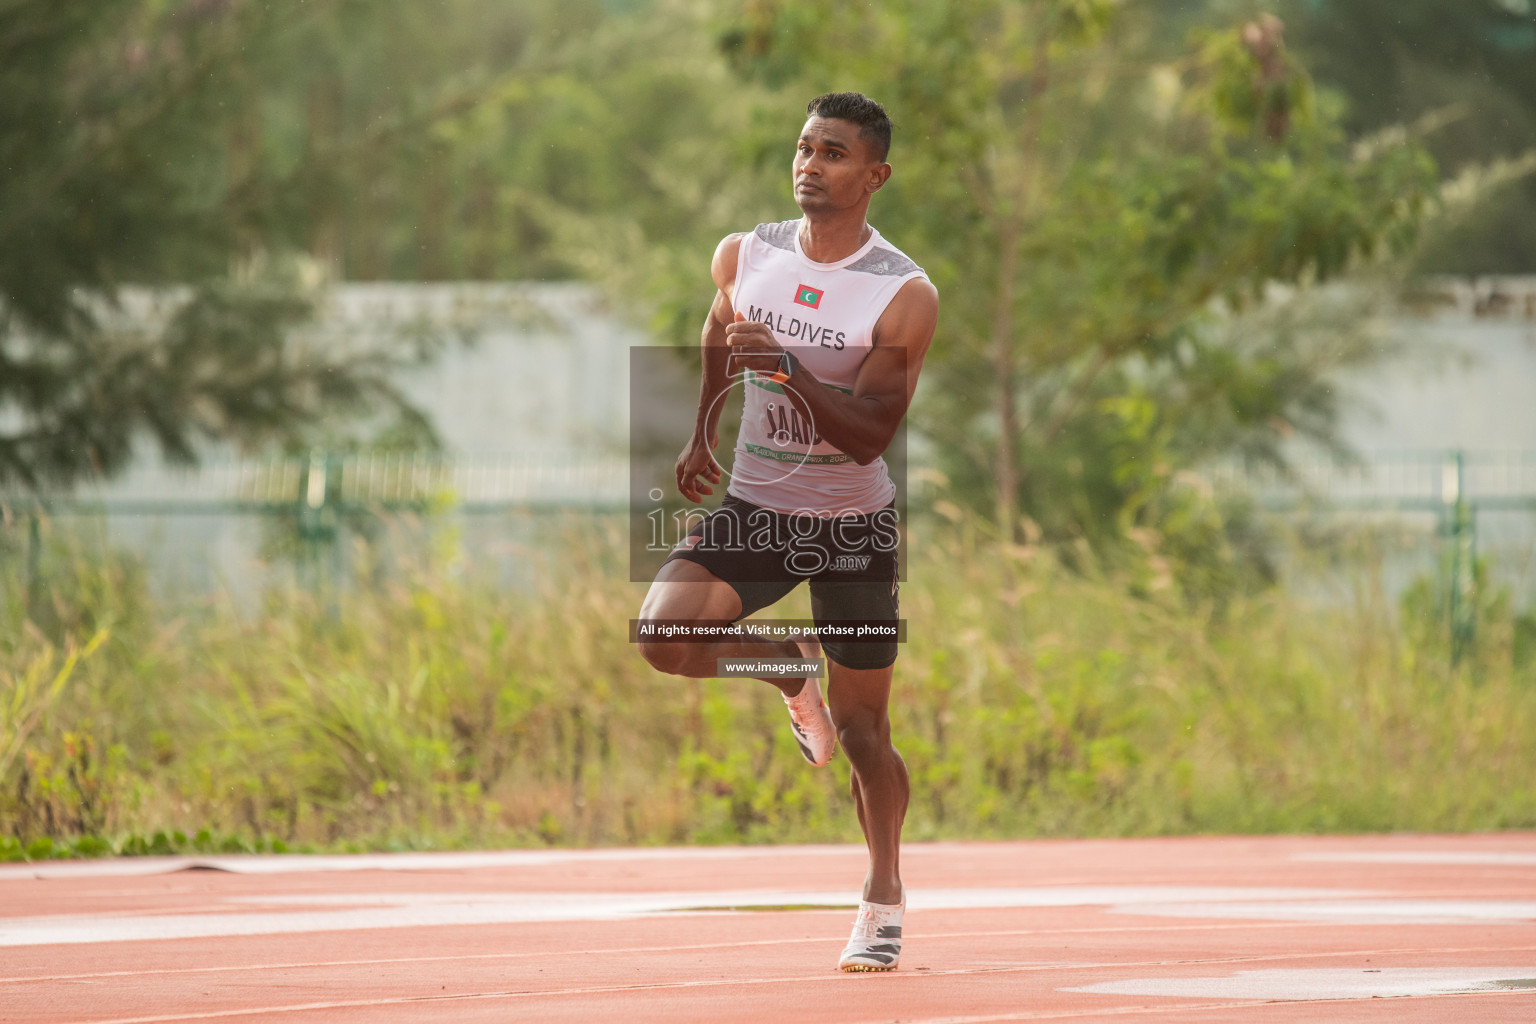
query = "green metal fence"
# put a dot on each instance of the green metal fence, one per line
(320, 493)
(1453, 485)
(379, 480)
(1424, 481)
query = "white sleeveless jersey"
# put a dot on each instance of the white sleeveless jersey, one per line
(825, 314)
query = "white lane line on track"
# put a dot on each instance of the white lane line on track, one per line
(447, 860)
(927, 898)
(1400, 910)
(1452, 858)
(824, 976)
(128, 915)
(370, 911)
(1010, 933)
(1314, 983)
(1163, 1008)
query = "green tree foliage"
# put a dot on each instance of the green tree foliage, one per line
(1095, 210)
(163, 143)
(119, 132)
(626, 159)
(1100, 195)
(364, 138)
(1472, 62)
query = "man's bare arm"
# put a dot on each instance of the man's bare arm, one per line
(697, 459)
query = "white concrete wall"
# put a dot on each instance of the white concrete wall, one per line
(1466, 382)
(525, 367)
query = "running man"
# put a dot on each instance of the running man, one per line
(826, 325)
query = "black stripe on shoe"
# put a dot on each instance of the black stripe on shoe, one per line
(888, 931)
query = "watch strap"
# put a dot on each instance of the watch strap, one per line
(788, 364)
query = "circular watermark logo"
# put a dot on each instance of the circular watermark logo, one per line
(781, 437)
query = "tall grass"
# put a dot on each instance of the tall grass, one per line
(432, 710)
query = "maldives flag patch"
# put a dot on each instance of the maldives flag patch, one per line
(808, 296)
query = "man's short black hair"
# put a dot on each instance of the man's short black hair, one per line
(874, 124)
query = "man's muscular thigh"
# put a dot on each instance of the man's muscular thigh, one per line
(685, 590)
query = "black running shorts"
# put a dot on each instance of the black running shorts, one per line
(850, 561)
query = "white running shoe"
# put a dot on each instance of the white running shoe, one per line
(812, 723)
(875, 944)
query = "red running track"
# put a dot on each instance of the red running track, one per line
(1201, 930)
